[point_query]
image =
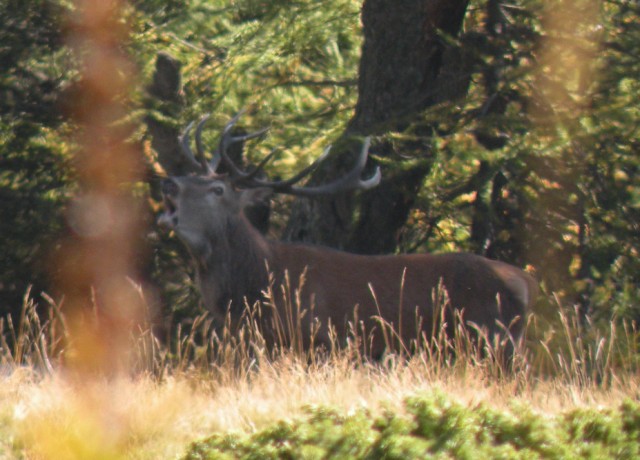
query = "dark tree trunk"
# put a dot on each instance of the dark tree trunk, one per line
(406, 66)
(166, 95)
(402, 68)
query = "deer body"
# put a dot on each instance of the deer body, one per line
(235, 262)
(236, 265)
(399, 289)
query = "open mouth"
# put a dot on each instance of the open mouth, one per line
(169, 205)
(169, 218)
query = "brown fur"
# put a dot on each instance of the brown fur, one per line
(232, 272)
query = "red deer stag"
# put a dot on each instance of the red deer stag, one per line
(236, 264)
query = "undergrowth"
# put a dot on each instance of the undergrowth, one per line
(435, 427)
(568, 391)
(569, 348)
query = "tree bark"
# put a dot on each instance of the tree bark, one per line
(166, 91)
(406, 66)
(402, 68)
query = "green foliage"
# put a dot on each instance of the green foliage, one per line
(537, 165)
(293, 62)
(325, 434)
(34, 174)
(435, 427)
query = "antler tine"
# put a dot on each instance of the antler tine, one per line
(308, 170)
(350, 181)
(186, 148)
(227, 139)
(293, 180)
(252, 174)
(199, 148)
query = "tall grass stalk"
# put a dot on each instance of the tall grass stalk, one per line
(212, 378)
(575, 351)
(585, 355)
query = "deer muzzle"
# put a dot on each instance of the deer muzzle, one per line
(169, 218)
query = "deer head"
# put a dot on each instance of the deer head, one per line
(200, 207)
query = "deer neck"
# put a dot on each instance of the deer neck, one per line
(234, 272)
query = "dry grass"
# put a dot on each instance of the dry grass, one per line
(61, 417)
(206, 384)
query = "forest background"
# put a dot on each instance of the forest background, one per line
(529, 155)
(508, 129)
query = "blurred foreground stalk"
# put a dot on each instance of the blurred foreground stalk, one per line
(96, 263)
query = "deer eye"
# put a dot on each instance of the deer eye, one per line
(217, 189)
(169, 188)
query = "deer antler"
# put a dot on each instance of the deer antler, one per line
(186, 148)
(226, 140)
(350, 181)
(249, 179)
(199, 159)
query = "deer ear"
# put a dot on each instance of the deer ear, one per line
(255, 195)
